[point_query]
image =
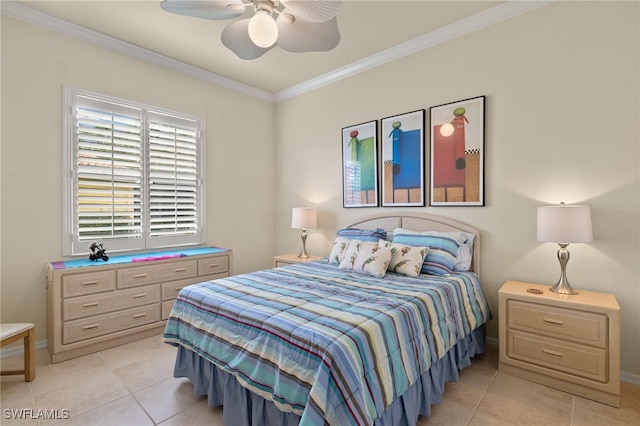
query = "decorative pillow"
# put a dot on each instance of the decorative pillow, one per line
(443, 249)
(363, 234)
(405, 259)
(337, 252)
(367, 257)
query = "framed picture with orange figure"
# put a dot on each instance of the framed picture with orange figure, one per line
(457, 153)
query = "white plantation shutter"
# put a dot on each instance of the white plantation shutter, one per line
(173, 176)
(135, 176)
(109, 172)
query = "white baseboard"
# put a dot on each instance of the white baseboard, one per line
(18, 349)
(42, 344)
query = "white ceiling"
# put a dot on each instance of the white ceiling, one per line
(373, 32)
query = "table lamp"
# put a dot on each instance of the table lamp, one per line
(564, 224)
(304, 218)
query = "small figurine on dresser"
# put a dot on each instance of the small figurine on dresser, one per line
(97, 252)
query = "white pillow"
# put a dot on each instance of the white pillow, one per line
(337, 252)
(405, 259)
(466, 253)
(366, 257)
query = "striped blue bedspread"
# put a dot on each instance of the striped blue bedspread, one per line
(330, 345)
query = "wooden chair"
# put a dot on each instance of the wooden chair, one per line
(10, 333)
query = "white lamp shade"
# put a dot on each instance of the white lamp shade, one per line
(565, 224)
(304, 218)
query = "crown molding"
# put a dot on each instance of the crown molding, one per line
(473, 23)
(468, 25)
(44, 20)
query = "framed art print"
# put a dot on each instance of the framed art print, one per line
(360, 165)
(457, 153)
(402, 146)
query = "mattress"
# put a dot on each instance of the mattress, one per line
(328, 345)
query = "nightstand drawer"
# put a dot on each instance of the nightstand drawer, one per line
(579, 360)
(577, 326)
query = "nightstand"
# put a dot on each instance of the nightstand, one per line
(290, 259)
(567, 342)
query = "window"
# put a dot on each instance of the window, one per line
(134, 178)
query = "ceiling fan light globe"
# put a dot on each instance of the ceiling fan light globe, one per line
(263, 30)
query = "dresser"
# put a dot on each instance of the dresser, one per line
(97, 305)
(568, 342)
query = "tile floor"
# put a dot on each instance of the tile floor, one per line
(133, 385)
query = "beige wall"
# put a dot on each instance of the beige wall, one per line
(36, 63)
(562, 123)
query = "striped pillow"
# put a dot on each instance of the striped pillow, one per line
(443, 250)
(363, 234)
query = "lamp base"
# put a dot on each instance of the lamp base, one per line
(303, 254)
(563, 286)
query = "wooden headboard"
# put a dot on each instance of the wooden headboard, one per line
(423, 222)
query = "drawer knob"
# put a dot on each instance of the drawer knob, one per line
(90, 327)
(553, 353)
(139, 275)
(138, 296)
(90, 305)
(180, 269)
(553, 321)
(94, 282)
(140, 315)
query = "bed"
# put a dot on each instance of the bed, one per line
(323, 343)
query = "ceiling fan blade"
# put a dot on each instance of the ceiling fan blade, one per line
(312, 10)
(236, 37)
(299, 36)
(206, 9)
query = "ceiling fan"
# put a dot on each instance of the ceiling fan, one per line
(294, 25)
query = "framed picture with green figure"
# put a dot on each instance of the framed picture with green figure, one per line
(359, 165)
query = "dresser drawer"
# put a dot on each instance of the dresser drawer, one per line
(166, 309)
(88, 283)
(74, 331)
(84, 306)
(133, 277)
(213, 265)
(578, 360)
(577, 326)
(170, 290)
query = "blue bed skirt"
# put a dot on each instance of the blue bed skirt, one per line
(244, 408)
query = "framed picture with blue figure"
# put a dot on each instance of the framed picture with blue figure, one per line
(360, 165)
(457, 153)
(402, 142)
